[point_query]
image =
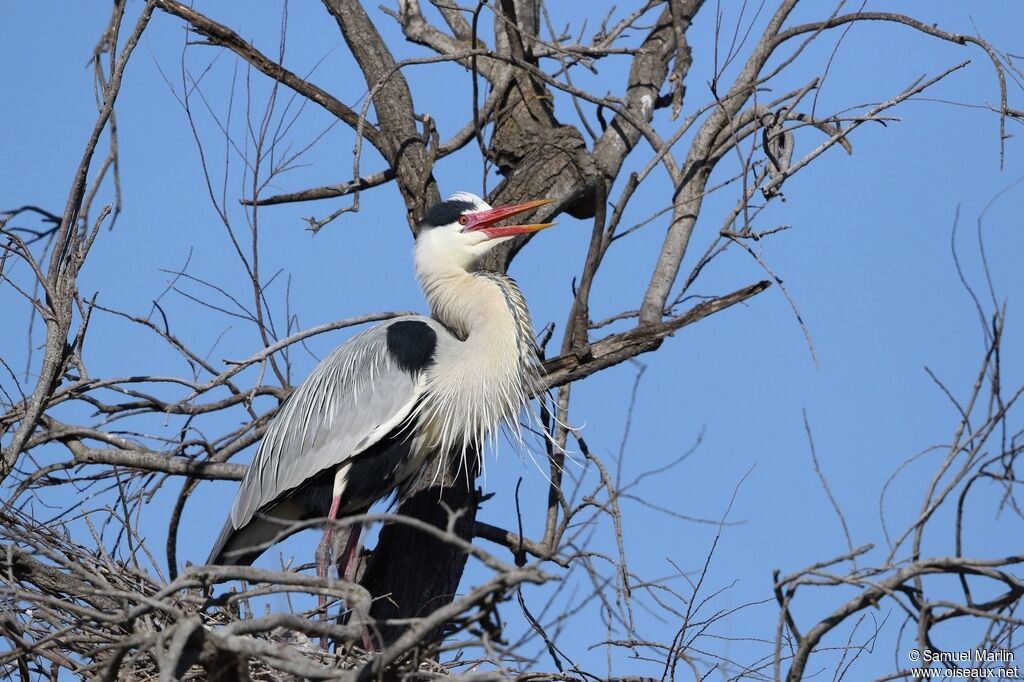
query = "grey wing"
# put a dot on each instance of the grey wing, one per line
(355, 397)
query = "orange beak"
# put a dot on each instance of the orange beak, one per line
(483, 221)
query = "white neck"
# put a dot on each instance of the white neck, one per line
(467, 304)
(487, 375)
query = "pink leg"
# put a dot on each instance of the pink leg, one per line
(323, 558)
(347, 571)
(347, 567)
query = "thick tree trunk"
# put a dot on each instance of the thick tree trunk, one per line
(410, 573)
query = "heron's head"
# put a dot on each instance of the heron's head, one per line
(462, 228)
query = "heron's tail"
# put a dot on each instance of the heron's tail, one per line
(229, 550)
(242, 546)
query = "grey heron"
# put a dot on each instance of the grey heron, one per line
(397, 396)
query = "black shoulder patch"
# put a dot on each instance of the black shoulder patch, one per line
(411, 344)
(445, 213)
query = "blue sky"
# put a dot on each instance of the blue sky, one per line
(867, 261)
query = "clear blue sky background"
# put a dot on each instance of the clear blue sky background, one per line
(867, 261)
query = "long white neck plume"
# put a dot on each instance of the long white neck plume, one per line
(489, 376)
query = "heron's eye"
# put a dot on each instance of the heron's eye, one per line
(463, 220)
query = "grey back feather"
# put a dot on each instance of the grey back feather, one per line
(354, 397)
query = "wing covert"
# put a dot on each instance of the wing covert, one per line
(355, 396)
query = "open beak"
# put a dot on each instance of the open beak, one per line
(483, 221)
